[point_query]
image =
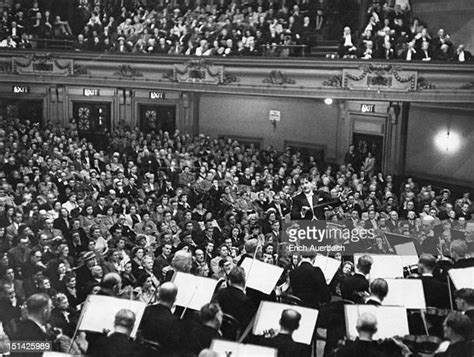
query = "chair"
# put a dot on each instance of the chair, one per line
(289, 299)
(230, 327)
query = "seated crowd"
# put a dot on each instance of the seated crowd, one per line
(389, 34)
(76, 221)
(226, 28)
(202, 28)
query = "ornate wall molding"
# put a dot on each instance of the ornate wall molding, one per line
(279, 78)
(424, 84)
(467, 86)
(230, 78)
(127, 71)
(80, 70)
(380, 77)
(5, 67)
(198, 71)
(297, 78)
(334, 81)
(42, 64)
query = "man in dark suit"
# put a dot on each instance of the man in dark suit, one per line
(33, 328)
(355, 287)
(308, 284)
(283, 342)
(162, 261)
(465, 303)
(119, 344)
(364, 345)
(309, 205)
(458, 330)
(436, 292)
(159, 325)
(378, 292)
(201, 334)
(233, 300)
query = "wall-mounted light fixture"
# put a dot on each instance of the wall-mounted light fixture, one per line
(448, 141)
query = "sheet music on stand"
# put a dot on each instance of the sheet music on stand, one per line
(268, 317)
(193, 291)
(408, 253)
(385, 266)
(462, 278)
(225, 348)
(99, 313)
(391, 320)
(261, 276)
(405, 292)
(328, 265)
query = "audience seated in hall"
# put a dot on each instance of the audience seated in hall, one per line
(75, 221)
(223, 28)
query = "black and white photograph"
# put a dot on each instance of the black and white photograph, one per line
(236, 178)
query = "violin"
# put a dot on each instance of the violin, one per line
(422, 343)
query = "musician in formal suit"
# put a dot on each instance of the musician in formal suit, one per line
(458, 330)
(233, 299)
(201, 334)
(365, 346)
(283, 342)
(308, 283)
(436, 292)
(159, 325)
(378, 292)
(356, 286)
(119, 344)
(465, 303)
(309, 205)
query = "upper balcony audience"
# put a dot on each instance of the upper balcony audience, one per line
(224, 28)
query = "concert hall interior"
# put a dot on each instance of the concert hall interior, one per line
(238, 178)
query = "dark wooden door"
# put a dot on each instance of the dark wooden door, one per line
(23, 109)
(93, 121)
(157, 117)
(365, 143)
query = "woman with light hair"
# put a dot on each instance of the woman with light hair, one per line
(181, 262)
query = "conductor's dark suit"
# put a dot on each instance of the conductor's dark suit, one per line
(308, 284)
(315, 210)
(160, 325)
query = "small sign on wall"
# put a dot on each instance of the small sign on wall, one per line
(91, 92)
(367, 108)
(20, 90)
(275, 115)
(157, 95)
